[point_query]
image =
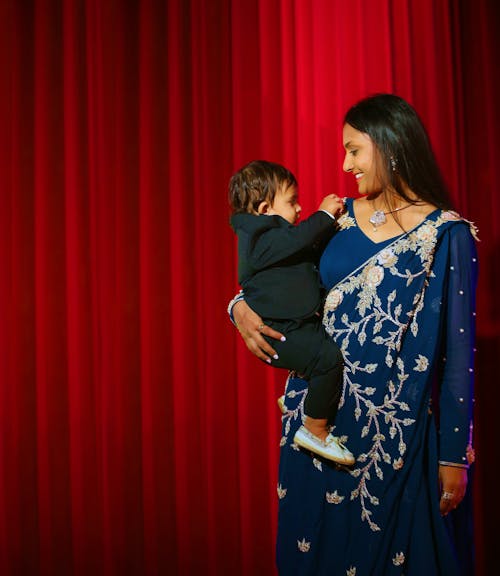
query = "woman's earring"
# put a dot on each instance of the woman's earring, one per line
(393, 164)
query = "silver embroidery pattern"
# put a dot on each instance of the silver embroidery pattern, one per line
(346, 221)
(317, 464)
(399, 559)
(387, 419)
(334, 498)
(303, 546)
(298, 414)
(292, 415)
(390, 418)
(281, 492)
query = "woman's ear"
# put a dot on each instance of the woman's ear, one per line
(263, 207)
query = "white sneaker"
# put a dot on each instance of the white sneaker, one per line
(331, 448)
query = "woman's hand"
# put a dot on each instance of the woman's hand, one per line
(251, 328)
(453, 483)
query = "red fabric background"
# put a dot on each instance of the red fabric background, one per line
(137, 434)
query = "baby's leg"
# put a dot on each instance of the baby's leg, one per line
(325, 383)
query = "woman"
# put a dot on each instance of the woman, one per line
(401, 277)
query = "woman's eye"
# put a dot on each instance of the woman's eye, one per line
(354, 152)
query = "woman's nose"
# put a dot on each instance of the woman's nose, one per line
(347, 165)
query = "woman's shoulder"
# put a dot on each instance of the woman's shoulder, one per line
(347, 219)
(457, 224)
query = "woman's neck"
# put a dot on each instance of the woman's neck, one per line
(388, 199)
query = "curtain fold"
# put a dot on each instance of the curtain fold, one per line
(130, 438)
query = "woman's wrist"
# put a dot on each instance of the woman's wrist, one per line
(238, 298)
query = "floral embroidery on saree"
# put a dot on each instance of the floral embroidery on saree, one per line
(382, 317)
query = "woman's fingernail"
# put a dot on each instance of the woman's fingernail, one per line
(275, 356)
(283, 339)
(268, 360)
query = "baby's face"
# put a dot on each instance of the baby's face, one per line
(286, 204)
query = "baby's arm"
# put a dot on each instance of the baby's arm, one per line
(277, 243)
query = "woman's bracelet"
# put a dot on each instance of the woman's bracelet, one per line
(453, 464)
(240, 296)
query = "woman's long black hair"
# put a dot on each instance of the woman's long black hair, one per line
(403, 146)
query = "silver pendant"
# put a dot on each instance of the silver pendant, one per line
(378, 218)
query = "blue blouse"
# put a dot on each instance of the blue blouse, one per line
(347, 252)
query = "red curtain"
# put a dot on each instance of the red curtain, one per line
(131, 441)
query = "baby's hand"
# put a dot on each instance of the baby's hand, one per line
(333, 204)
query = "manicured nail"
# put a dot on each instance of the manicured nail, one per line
(268, 360)
(275, 356)
(283, 339)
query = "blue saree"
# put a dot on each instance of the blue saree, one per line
(402, 312)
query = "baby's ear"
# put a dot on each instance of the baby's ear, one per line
(263, 207)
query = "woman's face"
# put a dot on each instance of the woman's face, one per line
(361, 159)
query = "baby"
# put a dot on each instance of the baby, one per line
(277, 270)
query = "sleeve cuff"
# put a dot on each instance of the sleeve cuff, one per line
(329, 213)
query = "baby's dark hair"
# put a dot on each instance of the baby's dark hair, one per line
(256, 182)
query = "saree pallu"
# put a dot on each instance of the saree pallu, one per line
(404, 320)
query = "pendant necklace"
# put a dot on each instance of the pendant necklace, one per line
(378, 218)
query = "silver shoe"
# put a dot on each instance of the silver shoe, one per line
(330, 448)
